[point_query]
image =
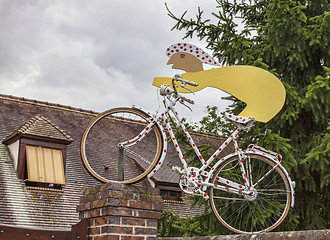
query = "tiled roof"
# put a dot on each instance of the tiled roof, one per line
(183, 208)
(42, 127)
(41, 207)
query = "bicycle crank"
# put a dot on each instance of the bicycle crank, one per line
(190, 187)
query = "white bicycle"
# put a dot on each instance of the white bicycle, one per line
(249, 190)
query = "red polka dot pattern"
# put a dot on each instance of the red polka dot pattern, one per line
(192, 49)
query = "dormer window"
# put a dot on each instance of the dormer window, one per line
(38, 149)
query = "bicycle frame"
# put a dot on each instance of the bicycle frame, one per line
(233, 187)
(195, 175)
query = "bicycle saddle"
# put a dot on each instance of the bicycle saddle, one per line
(238, 119)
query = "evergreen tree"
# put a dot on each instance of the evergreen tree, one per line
(290, 39)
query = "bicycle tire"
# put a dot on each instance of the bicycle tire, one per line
(264, 209)
(100, 151)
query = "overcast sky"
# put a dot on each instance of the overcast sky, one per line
(94, 54)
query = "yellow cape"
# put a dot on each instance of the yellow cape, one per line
(263, 93)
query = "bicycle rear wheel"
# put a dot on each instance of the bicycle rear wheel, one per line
(106, 161)
(260, 211)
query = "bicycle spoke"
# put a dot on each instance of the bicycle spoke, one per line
(235, 214)
(270, 181)
(136, 155)
(248, 217)
(227, 198)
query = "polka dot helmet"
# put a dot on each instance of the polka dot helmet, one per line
(192, 49)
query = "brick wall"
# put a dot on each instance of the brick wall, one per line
(299, 235)
(120, 212)
(116, 211)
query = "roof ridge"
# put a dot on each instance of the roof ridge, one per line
(54, 125)
(49, 104)
(26, 125)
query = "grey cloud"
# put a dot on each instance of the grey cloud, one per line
(87, 54)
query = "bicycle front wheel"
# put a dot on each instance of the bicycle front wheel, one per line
(106, 160)
(264, 208)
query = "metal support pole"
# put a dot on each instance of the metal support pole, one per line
(121, 164)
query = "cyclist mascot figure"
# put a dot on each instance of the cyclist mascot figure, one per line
(263, 93)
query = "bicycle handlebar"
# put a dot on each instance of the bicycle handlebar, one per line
(166, 90)
(191, 83)
(178, 77)
(187, 100)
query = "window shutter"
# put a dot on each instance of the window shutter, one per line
(45, 165)
(33, 164)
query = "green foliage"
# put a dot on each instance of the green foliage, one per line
(206, 224)
(214, 122)
(290, 39)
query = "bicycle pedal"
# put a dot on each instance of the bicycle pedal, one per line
(177, 169)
